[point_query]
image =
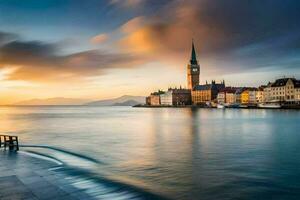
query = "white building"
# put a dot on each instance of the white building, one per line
(260, 94)
(297, 94)
(267, 93)
(166, 99)
(176, 97)
(285, 90)
(226, 96)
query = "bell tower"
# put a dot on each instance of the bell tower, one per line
(193, 70)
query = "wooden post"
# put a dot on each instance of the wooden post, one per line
(11, 143)
(5, 142)
(17, 143)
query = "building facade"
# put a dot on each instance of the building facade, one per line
(260, 94)
(248, 96)
(176, 97)
(238, 96)
(206, 93)
(166, 98)
(226, 96)
(267, 93)
(285, 90)
(148, 100)
(154, 98)
(193, 70)
(297, 95)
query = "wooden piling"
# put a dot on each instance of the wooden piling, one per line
(9, 141)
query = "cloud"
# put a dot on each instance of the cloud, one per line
(99, 39)
(38, 61)
(128, 3)
(6, 37)
(133, 24)
(220, 30)
(230, 35)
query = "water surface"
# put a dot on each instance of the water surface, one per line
(177, 153)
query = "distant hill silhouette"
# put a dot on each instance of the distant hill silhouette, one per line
(127, 103)
(125, 100)
(52, 101)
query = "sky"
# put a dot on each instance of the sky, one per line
(98, 49)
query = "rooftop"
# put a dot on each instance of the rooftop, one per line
(282, 82)
(212, 86)
(193, 60)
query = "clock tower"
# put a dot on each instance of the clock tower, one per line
(193, 70)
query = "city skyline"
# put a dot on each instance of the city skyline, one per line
(104, 49)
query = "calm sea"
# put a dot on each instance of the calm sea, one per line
(174, 153)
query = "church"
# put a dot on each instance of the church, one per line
(195, 93)
(201, 94)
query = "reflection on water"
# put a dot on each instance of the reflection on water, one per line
(180, 153)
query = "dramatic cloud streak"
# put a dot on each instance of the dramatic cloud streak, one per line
(249, 34)
(33, 58)
(84, 42)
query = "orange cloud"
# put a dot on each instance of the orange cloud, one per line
(167, 37)
(99, 39)
(133, 24)
(140, 42)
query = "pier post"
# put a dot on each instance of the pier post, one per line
(11, 143)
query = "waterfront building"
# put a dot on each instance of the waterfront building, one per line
(248, 96)
(148, 100)
(206, 93)
(176, 97)
(238, 95)
(166, 98)
(154, 98)
(193, 70)
(221, 98)
(285, 90)
(297, 95)
(267, 93)
(260, 95)
(226, 96)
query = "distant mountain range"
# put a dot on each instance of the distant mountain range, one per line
(125, 100)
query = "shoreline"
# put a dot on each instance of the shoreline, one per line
(203, 107)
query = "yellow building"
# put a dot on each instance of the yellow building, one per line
(248, 96)
(206, 93)
(201, 96)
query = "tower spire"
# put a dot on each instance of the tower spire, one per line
(193, 55)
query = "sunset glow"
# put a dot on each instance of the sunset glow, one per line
(103, 49)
